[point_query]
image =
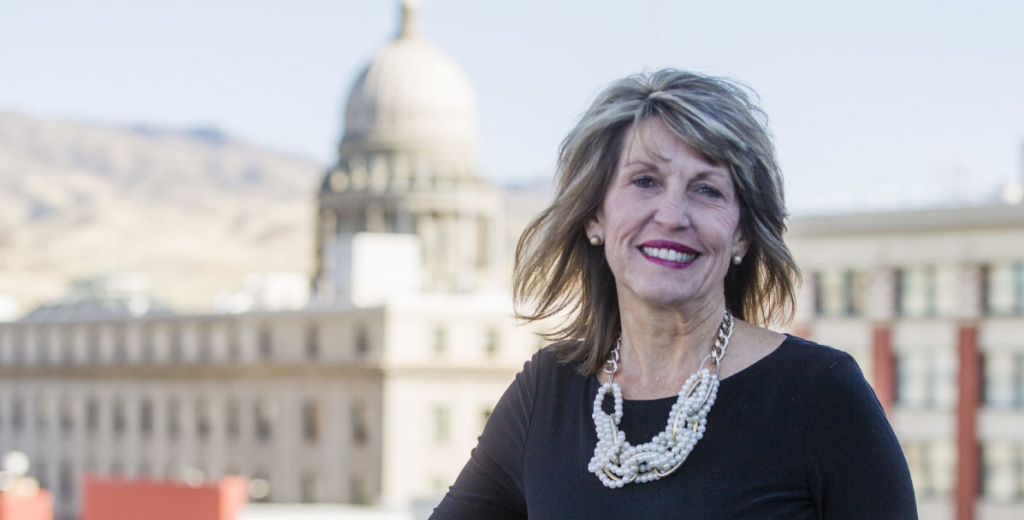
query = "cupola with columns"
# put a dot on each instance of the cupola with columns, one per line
(407, 165)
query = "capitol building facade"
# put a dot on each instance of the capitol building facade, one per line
(375, 392)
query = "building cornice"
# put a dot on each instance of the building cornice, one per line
(928, 220)
(194, 372)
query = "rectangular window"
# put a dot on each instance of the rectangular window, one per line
(362, 340)
(491, 342)
(839, 292)
(42, 345)
(146, 347)
(173, 418)
(93, 353)
(360, 423)
(17, 414)
(42, 414)
(311, 421)
(205, 344)
(120, 421)
(92, 415)
(177, 351)
(1004, 379)
(932, 466)
(440, 341)
(67, 416)
(440, 419)
(234, 346)
(312, 341)
(917, 291)
(1002, 479)
(17, 346)
(67, 481)
(67, 345)
(146, 417)
(912, 379)
(266, 416)
(926, 379)
(203, 419)
(120, 345)
(266, 343)
(1004, 289)
(233, 419)
(942, 464)
(944, 379)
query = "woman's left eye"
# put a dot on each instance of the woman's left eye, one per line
(709, 190)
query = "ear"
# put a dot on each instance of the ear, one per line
(740, 243)
(593, 226)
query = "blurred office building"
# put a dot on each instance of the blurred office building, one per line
(373, 392)
(931, 304)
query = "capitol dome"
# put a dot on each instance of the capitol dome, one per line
(407, 165)
(411, 97)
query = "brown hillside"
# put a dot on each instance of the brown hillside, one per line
(194, 210)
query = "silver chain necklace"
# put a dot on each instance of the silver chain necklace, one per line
(616, 462)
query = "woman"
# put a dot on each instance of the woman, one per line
(664, 397)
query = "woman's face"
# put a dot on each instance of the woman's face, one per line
(669, 221)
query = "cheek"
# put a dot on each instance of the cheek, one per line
(729, 231)
(615, 216)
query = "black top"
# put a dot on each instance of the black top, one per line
(797, 435)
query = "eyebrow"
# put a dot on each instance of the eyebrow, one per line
(711, 171)
(716, 172)
(640, 162)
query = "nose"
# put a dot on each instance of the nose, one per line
(672, 211)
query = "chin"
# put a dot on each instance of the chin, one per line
(668, 299)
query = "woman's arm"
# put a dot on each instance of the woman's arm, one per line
(855, 464)
(490, 485)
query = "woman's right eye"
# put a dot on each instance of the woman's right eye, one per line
(643, 181)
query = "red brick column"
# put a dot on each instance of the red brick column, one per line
(968, 467)
(883, 364)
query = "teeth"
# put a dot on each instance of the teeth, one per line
(669, 254)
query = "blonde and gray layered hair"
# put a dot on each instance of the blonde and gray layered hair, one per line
(558, 273)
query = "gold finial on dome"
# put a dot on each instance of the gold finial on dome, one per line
(410, 23)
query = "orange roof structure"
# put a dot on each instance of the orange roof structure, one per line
(117, 499)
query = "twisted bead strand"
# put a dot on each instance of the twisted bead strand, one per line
(616, 462)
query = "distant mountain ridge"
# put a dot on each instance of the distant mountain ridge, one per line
(194, 209)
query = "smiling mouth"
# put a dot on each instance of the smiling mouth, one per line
(668, 254)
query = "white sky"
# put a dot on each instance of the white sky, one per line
(874, 104)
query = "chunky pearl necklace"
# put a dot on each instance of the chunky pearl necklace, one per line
(616, 462)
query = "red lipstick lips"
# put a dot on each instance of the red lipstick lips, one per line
(668, 253)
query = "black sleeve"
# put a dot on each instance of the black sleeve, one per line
(491, 484)
(855, 465)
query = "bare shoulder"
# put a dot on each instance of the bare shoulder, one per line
(749, 344)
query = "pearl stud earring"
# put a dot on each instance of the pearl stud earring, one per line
(596, 240)
(737, 259)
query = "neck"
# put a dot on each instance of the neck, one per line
(660, 348)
